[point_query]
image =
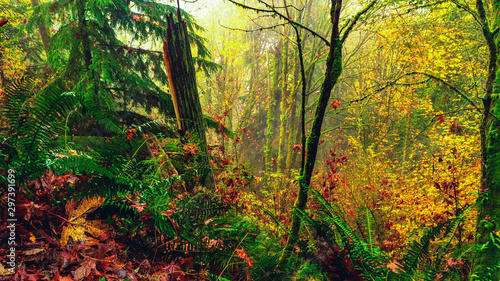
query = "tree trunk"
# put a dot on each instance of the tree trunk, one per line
(42, 28)
(332, 73)
(183, 88)
(273, 92)
(488, 204)
(292, 134)
(283, 111)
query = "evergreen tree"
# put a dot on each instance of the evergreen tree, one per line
(109, 50)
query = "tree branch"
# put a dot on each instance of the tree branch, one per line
(273, 10)
(453, 88)
(352, 23)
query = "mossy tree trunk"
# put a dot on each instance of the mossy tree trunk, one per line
(292, 133)
(332, 73)
(183, 88)
(271, 109)
(488, 215)
(42, 28)
(283, 108)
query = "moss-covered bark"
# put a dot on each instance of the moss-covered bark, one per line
(487, 258)
(42, 28)
(292, 109)
(283, 111)
(332, 73)
(183, 88)
(271, 109)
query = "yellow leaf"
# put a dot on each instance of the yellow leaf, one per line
(78, 224)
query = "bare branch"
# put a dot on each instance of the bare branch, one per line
(273, 10)
(253, 30)
(453, 88)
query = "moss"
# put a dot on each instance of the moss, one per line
(488, 205)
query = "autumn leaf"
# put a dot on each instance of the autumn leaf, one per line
(78, 224)
(243, 255)
(85, 269)
(130, 133)
(352, 213)
(440, 118)
(394, 267)
(191, 148)
(335, 104)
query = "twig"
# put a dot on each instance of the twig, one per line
(218, 278)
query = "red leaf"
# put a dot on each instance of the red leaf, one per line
(139, 207)
(130, 133)
(3, 22)
(297, 147)
(351, 213)
(243, 255)
(335, 104)
(173, 270)
(440, 118)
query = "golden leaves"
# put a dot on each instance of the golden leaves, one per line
(77, 223)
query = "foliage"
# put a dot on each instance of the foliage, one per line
(106, 191)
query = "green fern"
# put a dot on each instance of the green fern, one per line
(417, 263)
(33, 120)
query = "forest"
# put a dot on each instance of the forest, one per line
(249, 140)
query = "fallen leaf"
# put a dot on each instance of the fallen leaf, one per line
(33, 251)
(84, 270)
(440, 118)
(78, 224)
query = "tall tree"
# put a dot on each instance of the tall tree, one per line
(332, 73)
(488, 217)
(108, 51)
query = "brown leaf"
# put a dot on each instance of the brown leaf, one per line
(440, 118)
(84, 270)
(33, 251)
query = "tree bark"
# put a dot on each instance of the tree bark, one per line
(292, 134)
(332, 73)
(273, 93)
(42, 28)
(283, 111)
(488, 202)
(183, 88)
